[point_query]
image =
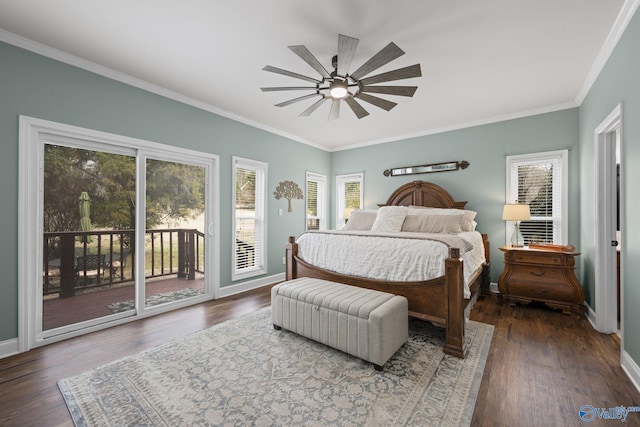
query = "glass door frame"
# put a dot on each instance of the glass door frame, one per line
(32, 134)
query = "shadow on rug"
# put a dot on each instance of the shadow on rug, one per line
(243, 372)
(162, 298)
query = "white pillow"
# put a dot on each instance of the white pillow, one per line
(361, 219)
(390, 219)
(467, 216)
(449, 224)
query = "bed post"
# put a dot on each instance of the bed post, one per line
(454, 338)
(485, 284)
(291, 251)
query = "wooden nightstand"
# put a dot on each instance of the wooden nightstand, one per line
(541, 275)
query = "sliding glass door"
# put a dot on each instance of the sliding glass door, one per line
(88, 227)
(174, 245)
(111, 229)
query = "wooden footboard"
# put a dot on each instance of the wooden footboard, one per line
(440, 300)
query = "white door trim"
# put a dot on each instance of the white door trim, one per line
(30, 240)
(605, 222)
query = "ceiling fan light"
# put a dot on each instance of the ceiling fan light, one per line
(338, 89)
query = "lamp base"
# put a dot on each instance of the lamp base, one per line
(517, 240)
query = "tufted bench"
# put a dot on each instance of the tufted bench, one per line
(368, 324)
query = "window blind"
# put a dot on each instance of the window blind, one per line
(313, 221)
(349, 194)
(316, 201)
(249, 213)
(537, 182)
(352, 194)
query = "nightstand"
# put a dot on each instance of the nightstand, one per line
(541, 275)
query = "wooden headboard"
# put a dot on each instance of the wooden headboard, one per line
(423, 193)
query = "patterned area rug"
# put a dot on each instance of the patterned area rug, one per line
(243, 372)
(120, 306)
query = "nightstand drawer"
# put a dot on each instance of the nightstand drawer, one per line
(544, 258)
(544, 289)
(541, 275)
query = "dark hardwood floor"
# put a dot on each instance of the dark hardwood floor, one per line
(542, 366)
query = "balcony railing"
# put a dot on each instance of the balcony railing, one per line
(76, 261)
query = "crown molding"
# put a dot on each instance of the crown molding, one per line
(109, 73)
(481, 122)
(619, 26)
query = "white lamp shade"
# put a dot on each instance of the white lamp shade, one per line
(347, 213)
(516, 212)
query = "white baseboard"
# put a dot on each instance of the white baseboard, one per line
(8, 348)
(631, 368)
(250, 285)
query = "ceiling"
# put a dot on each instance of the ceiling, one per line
(481, 61)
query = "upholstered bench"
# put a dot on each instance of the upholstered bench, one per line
(368, 324)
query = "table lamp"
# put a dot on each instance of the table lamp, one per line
(516, 212)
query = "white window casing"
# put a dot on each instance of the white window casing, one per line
(349, 195)
(541, 181)
(249, 255)
(316, 193)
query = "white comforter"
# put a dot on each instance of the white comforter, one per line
(387, 256)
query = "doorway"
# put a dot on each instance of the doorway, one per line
(111, 229)
(609, 205)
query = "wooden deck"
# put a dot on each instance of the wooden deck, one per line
(92, 305)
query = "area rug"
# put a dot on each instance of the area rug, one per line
(161, 298)
(244, 373)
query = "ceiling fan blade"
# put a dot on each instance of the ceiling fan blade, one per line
(308, 57)
(346, 49)
(334, 113)
(386, 55)
(391, 90)
(294, 100)
(313, 107)
(276, 89)
(290, 74)
(357, 109)
(378, 102)
(399, 74)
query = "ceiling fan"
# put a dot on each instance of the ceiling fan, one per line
(339, 85)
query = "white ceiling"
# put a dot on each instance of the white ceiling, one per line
(481, 61)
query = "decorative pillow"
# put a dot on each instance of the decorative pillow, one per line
(361, 219)
(390, 219)
(467, 224)
(433, 223)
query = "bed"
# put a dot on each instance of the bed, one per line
(440, 300)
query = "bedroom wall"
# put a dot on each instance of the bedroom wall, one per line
(40, 87)
(483, 183)
(617, 82)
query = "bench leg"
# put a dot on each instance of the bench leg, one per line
(276, 327)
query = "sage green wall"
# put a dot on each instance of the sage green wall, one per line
(618, 82)
(40, 87)
(482, 184)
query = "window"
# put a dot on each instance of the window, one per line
(249, 225)
(540, 180)
(316, 197)
(349, 195)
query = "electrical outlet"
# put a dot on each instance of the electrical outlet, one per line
(284, 260)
